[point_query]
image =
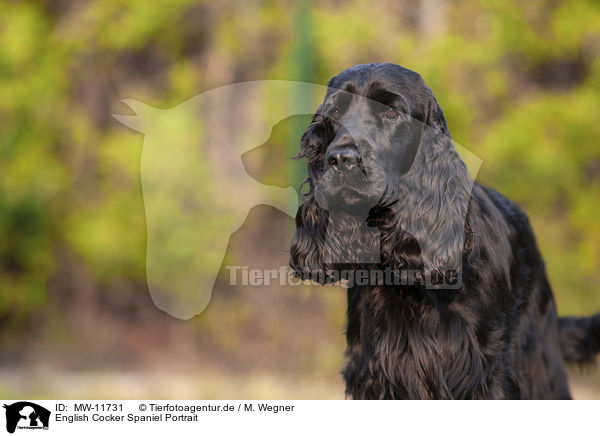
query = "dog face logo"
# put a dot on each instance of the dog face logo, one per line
(26, 415)
(197, 191)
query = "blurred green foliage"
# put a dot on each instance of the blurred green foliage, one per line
(519, 83)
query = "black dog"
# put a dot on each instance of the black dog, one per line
(478, 319)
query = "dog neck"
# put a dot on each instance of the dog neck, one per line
(349, 240)
(408, 344)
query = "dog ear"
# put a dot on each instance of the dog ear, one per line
(434, 200)
(435, 116)
(313, 140)
(307, 247)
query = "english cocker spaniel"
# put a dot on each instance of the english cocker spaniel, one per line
(447, 292)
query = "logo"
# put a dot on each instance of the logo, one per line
(197, 190)
(26, 415)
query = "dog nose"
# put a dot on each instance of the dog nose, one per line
(343, 158)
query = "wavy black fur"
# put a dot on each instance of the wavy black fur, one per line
(498, 336)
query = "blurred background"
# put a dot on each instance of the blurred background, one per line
(519, 83)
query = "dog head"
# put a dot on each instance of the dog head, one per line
(379, 150)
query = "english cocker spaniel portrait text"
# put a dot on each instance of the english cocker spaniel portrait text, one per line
(467, 311)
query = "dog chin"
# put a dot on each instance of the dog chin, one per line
(344, 198)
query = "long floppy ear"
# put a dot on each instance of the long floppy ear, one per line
(307, 247)
(434, 203)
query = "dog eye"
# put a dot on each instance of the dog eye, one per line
(391, 114)
(334, 114)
